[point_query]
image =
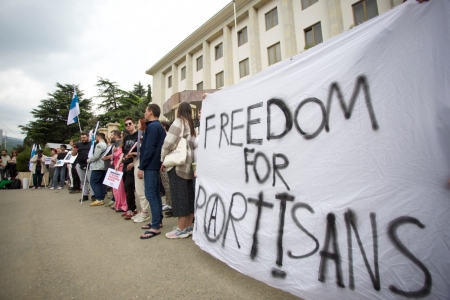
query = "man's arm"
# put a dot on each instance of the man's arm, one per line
(97, 153)
(150, 146)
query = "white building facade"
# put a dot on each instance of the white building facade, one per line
(268, 31)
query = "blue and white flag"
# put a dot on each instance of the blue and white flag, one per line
(33, 152)
(92, 136)
(74, 109)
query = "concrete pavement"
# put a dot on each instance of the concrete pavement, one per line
(51, 247)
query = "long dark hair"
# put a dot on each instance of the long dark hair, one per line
(185, 114)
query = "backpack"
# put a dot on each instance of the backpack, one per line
(16, 184)
(4, 183)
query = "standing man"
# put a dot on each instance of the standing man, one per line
(129, 151)
(3, 163)
(82, 150)
(98, 171)
(150, 164)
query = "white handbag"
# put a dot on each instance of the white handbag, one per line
(177, 157)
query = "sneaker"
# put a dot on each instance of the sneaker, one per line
(59, 188)
(125, 213)
(33, 188)
(130, 214)
(136, 216)
(97, 203)
(110, 203)
(190, 230)
(169, 214)
(141, 218)
(75, 191)
(166, 207)
(177, 234)
(52, 188)
(39, 187)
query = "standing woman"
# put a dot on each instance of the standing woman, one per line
(38, 169)
(119, 194)
(181, 177)
(12, 165)
(51, 167)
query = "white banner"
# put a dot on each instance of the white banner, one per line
(113, 178)
(326, 175)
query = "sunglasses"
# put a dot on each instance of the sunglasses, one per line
(128, 124)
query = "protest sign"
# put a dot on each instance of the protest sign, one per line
(48, 160)
(59, 163)
(69, 159)
(113, 178)
(326, 174)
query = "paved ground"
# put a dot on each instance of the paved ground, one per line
(51, 247)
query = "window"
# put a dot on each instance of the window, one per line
(313, 35)
(308, 3)
(244, 68)
(219, 51)
(200, 63)
(271, 19)
(274, 54)
(200, 86)
(242, 36)
(364, 10)
(169, 82)
(219, 80)
(183, 73)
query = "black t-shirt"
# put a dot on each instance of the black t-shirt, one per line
(128, 143)
(61, 155)
(83, 152)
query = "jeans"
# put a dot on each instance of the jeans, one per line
(2, 173)
(152, 182)
(97, 177)
(37, 177)
(60, 172)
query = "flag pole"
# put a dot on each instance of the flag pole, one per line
(79, 124)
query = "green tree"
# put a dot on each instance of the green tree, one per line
(116, 103)
(149, 93)
(50, 124)
(139, 90)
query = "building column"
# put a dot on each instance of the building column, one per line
(162, 87)
(290, 38)
(206, 66)
(174, 79)
(228, 56)
(253, 37)
(335, 16)
(158, 89)
(189, 72)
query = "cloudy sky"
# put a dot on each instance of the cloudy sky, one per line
(75, 41)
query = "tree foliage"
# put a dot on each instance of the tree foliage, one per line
(118, 104)
(51, 117)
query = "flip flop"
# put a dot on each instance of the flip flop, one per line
(151, 234)
(149, 226)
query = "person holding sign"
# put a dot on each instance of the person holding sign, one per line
(38, 169)
(60, 169)
(150, 165)
(51, 166)
(120, 198)
(98, 170)
(181, 177)
(129, 151)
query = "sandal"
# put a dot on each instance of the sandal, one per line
(149, 226)
(149, 234)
